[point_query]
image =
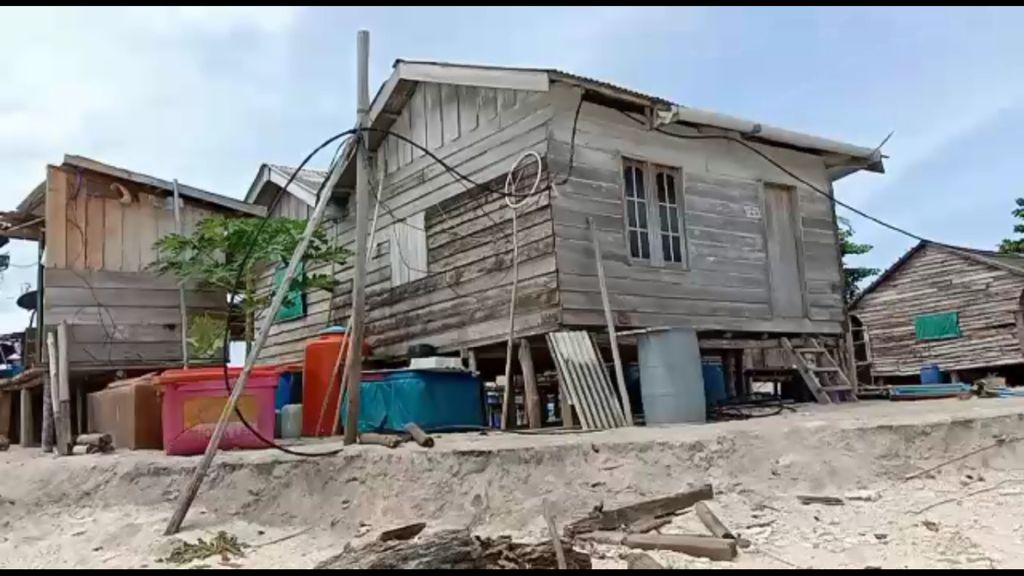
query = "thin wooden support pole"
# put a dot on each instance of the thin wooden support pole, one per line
(627, 409)
(354, 362)
(280, 293)
(181, 287)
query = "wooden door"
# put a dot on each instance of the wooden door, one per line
(785, 270)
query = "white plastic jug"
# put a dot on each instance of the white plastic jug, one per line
(291, 421)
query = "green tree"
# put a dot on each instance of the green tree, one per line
(1015, 245)
(853, 274)
(212, 256)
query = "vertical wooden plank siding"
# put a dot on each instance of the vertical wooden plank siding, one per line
(94, 232)
(56, 215)
(113, 237)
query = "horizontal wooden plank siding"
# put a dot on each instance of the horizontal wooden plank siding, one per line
(122, 318)
(463, 297)
(725, 284)
(935, 279)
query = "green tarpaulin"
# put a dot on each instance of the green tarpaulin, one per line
(937, 326)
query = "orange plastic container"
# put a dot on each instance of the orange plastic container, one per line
(320, 356)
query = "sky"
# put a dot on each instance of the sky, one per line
(206, 95)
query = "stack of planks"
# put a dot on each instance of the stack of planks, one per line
(583, 376)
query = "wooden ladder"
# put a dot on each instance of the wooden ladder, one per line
(823, 376)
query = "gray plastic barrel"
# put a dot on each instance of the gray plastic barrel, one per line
(671, 382)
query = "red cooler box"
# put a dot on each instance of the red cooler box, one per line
(193, 400)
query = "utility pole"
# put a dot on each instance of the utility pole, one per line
(354, 362)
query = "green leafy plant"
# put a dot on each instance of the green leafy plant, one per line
(213, 256)
(1015, 245)
(206, 336)
(853, 275)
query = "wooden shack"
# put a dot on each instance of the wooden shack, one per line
(96, 225)
(959, 308)
(697, 229)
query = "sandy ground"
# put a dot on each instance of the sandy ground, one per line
(109, 511)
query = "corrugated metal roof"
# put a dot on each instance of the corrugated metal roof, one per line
(308, 178)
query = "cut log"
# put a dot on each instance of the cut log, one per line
(95, 443)
(646, 525)
(622, 517)
(380, 439)
(419, 435)
(407, 532)
(711, 521)
(698, 546)
(826, 500)
(453, 549)
(642, 561)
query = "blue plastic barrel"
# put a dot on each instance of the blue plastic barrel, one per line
(931, 374)
(714, 382)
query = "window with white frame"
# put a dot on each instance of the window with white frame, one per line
(653, 213)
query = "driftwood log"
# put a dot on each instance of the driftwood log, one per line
(699, 546)
(419, 436)
(711, 521)
(407, 532)
(621, 517)
(646, 525)
(389, 440)
(454, 549)
(102, 443)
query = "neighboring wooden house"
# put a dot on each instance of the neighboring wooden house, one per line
(696, 230)
(956, 307)
(96, 225)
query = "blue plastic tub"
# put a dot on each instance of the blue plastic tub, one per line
(433, 399)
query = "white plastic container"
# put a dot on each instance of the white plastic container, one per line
(291, 421)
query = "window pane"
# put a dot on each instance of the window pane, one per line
(627, 178)
(677, 251)
(641, 208)
(673, 220)
(639, 185)
(645, 247)
(634, 244)
(666, 248)
(631, 213)
(659, 179)
(663, 217)
(670, 188)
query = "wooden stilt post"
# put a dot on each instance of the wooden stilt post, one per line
(27, 429)
(530, 395)
(354, 362)
(64, 438)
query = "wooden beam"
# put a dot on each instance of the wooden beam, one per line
(531, 397)
(27, 430)
(620, 517)
(627, 410)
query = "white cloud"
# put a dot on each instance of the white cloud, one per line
(154, 89)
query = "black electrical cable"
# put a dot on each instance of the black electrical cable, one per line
(796, 177)
(238, 277)
(572, 143)
(358, 133)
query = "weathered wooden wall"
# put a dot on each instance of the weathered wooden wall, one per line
(97, 250)
(463, 298)
(937, 280)
(727, 283)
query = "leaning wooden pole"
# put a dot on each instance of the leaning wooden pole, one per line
(189, 494)
(627, 409)
(354, 362)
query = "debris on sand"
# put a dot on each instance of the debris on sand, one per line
(456, 549)
(223, 544)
